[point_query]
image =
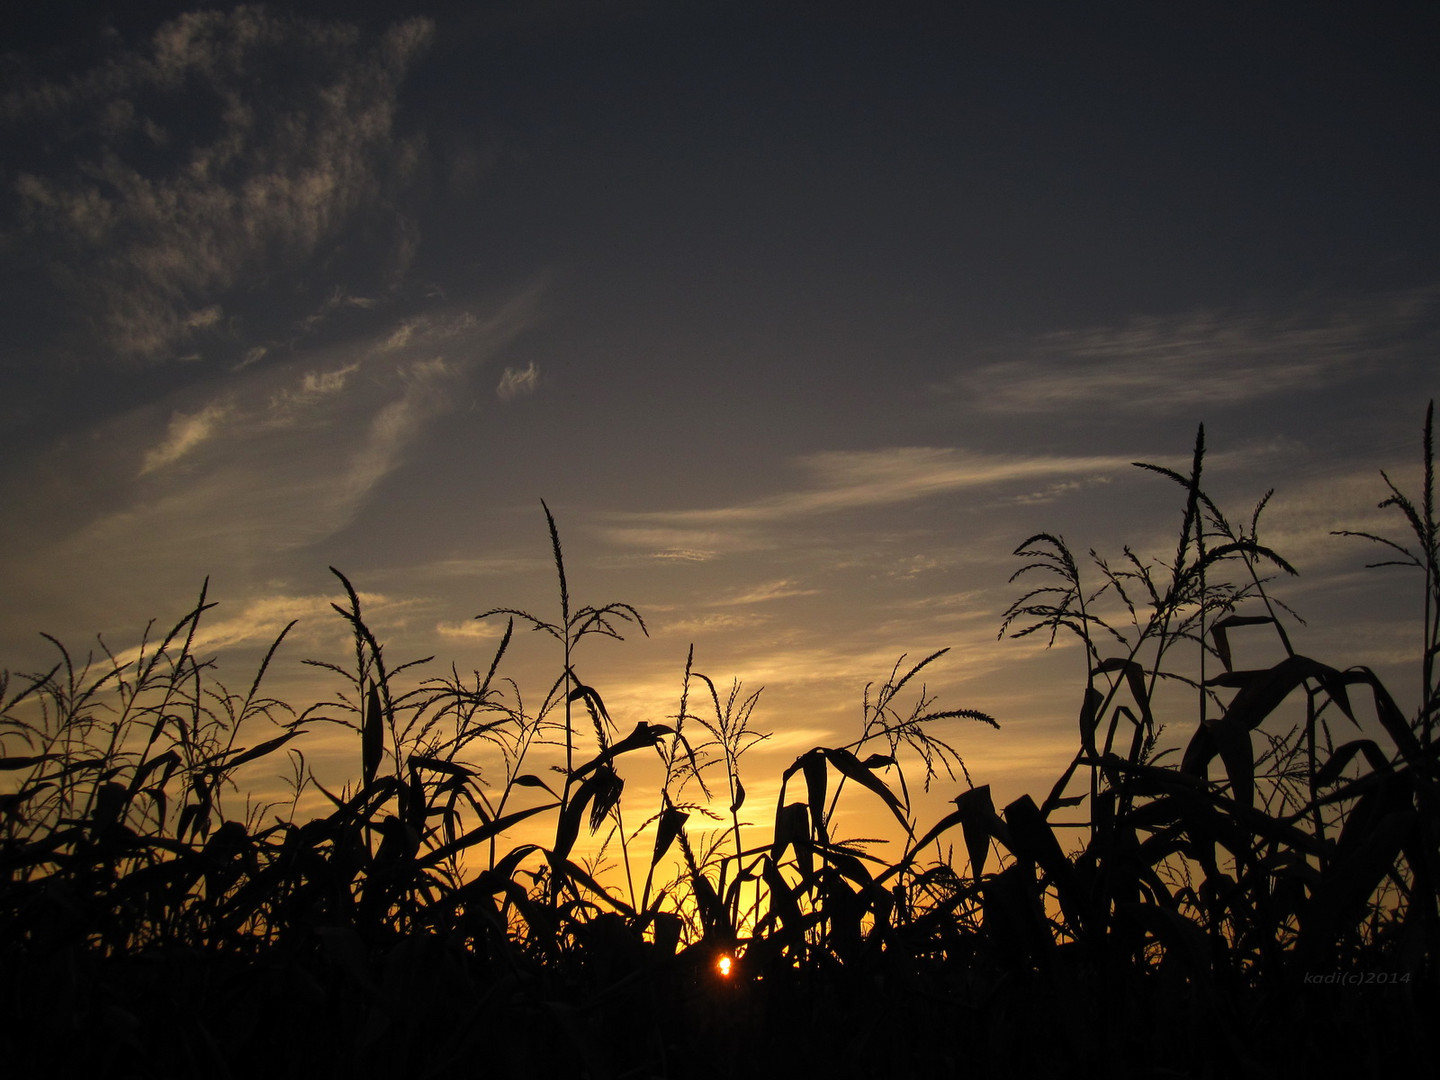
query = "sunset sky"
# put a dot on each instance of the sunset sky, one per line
(799, 316)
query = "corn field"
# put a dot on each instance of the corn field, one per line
(1260, 899)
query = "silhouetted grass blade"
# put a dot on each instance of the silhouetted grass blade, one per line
(372, 737)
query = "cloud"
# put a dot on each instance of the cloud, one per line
(259, 620)
(713, 623)
(440, 329)
(314, 386)
(262, 619)
(339, 300)
(676, 544)
(204, 318)
(772, 590)
(515, 384)
(683, 555)
(487, 566)
(250, 492)
(470, 630)
(395, 425)
(1304, 513)
(329, 382)
(402, 334)
(231, 147)
(1181, 362)
(848, 480)
(1051, 492)
(186, 431)
(253, 355)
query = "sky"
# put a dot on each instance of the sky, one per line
(798, 316)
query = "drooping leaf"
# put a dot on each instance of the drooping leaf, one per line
(1135, 679)
(739, 799)
(1033, 839)
(1259, 694)
(976, 809)
(531, 780)
(1219, 633)
(594, 703)
(847, 864)
(440, 765)
(1090, 718)
(644, 735)
(167, 762)
(12, 763)
(1349, 882)
(567, 870)
(484, 832)
(1335, 764)
(792, 829)
(863, 773)
(669, 826)
(372, 744)
(815, 783)
(608, 786)
(260, 751)
(783, 903)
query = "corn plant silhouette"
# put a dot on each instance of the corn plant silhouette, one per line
(1240, 839)
(595, 784)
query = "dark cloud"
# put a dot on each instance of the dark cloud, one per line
(1179, 363)
(176, 187)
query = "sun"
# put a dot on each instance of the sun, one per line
(724, 965)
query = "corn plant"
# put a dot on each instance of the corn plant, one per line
(114, 832)
(1179, 893)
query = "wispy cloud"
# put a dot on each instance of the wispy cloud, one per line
(770, 590)
(442, 329)
(215, 484)
(674, 543)
(186, 431)
(470, 630)
(848, 480)
(1181, 362)
(289, 137)
(338, 300)
(712, 623)
(313, 387)
(515, 384)
(258, 622)
(1302, 517)
(1053, 491)
(396, 425)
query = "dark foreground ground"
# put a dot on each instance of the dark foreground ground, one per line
(419, 1009)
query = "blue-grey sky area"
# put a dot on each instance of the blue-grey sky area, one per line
(799, 316)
